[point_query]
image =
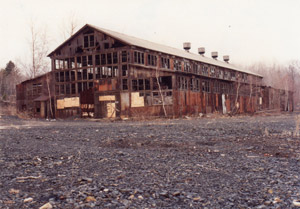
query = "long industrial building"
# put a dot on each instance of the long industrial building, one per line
(104, 74)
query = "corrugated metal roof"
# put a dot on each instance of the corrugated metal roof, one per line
(169, 50)
(130, 40)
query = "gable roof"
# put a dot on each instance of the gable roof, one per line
(133, 41)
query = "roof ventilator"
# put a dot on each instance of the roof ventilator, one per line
(214, 55)
(187, 46)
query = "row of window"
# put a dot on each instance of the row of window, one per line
(196, 68)
(194, 84)
(89, 74)
(89, 60)
(67, 89)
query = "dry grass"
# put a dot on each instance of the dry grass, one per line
(8, 110)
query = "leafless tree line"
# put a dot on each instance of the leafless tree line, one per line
(280, 76)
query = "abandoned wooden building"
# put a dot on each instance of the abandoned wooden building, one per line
(104, 74)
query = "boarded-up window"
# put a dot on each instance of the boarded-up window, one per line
(137, 100)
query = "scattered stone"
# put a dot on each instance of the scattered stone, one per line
(176, 193)
(277, 200)
(46, 206)
(29, 199)
(197, 199)
(14, 191)
(140, 197)
(90, 199)
(296, 203)
(131, 197)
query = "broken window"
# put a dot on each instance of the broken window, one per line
(90, 60)
(109, 59)
(139, 57)
(103, 59)
(124, 70)
(165, 95)
(232, 74)
(67, 76)
(165, 62)
(106, 45)
(86, 41)
(155, 84)
(197, 85)
(97, 59)
(177, 65)
(212, 72)
(84, 74)
(109, 71)
(226, 74)
(57, 67)
(205, 86)
(104, 72)
(198, 71)
(147, 84)
(141, 84)
(79, 85)
(67, 64)
(62, 89)
(187, 67)
(62, 76)
(124, 56)
(72, 61)
(56, 89)
(68, 89)
(91, 85)
(134, 85)
(216, 87)
(89, 41)
(195, 68)
(72, 75)
(84, 86)
(98, 72)
(115, 58)
(36, 89)
(90, 74)
(244, 77)
(191, 84)
(73, 88)
(57, 77)
(221, 74)
(79, 75)
(92, 42)
(84, 61)
(204, 70)
(124, 84)
(152, 60)
(79, 64)
(164, 81)
(115, 71)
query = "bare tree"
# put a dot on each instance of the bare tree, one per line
(160, 92)
(38, 62)
(69, 26)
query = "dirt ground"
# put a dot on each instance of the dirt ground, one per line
(215, 162)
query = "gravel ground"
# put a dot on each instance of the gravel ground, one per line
(216, 162)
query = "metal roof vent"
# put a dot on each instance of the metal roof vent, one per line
(187, 46)
(226, 58)
(201, 50)
(214, 55)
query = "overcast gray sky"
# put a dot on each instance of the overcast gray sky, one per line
(248, 30)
